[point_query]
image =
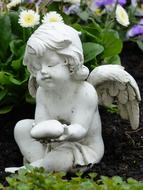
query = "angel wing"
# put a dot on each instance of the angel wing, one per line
(115, 85)
(32, 86)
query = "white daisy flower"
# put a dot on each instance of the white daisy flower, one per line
(122, 16)
(52, 16)
(13, 3)
(28, 18)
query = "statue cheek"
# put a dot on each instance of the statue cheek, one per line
(63, 76)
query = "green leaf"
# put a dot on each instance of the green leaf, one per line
(51, 6)
(96, 25)
(16, 64)
(17, 47)
(1, 186)
(92, 32)
(117, 180)
(111, 42)
(77, 27)
(93, 28)
(17, 30)
(8, 79)
(4, 78)
(113, 60)
(132, 181)
(15, 81)
(5, 34)
(23, 186)
(2, 94)
(140, 44)
(5, 109)
(84, 15)
(91, 50)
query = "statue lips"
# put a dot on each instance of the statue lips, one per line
(47, 78)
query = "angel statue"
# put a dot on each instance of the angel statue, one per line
(66, 129)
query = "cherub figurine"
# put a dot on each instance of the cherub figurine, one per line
(66, 130)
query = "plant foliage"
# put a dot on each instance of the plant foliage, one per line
(103, 31)
(39, 179)
(13, 75)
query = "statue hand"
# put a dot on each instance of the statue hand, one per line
(73, 132)
(48, 129)
(65, 136)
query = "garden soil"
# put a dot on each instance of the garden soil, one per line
(123, 146)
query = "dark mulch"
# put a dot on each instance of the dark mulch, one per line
(123, 147)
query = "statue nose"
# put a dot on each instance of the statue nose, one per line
(44, 71)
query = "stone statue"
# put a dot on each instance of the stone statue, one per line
(66, 129)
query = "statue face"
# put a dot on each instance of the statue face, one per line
(51, 70)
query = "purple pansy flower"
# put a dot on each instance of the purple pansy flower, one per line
(37, 2)
(141, 22)
(73, 9)
(122, 2)
(29, 1)
(135, 31)
(1, 4)
(100, 3)
(134, 3)
(108, 4)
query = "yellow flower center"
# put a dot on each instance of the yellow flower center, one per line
(123, 16)
(29, 18)
(53, 19)
(98, 11)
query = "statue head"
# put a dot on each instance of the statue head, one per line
(62, 39)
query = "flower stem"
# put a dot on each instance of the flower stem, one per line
(24, 35)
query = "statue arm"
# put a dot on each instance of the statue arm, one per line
(44, 126)
(41, 113)
(82, 115)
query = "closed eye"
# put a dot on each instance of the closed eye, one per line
(34, 67)
(52, 64)
(37, 67)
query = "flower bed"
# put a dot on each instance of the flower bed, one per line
(124, 148)
(104, 28)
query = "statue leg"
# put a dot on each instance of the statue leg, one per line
(56, 160)
(59, 160)
(30, 148)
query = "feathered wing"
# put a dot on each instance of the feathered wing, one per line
(32, 86)
(115, 85)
